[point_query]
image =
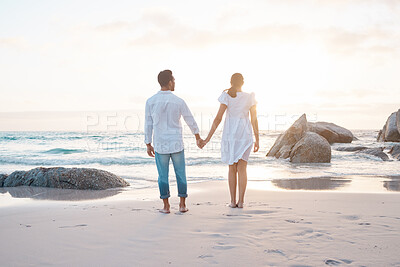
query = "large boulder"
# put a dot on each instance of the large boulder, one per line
(391, 130)
(286, 140)
(332, 132)
(398, 120)
(67, 178)
(395, 152)
(311, 148)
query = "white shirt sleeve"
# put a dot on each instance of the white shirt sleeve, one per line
(148, 125)
(188, 117)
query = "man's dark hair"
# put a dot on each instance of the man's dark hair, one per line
(164, 77)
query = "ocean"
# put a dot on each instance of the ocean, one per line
(124, 154)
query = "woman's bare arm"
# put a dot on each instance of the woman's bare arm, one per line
(216, 122)
(254, 123)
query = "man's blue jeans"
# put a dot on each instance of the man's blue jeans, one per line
(162, 162)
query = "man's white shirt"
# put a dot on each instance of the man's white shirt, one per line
(162, 116)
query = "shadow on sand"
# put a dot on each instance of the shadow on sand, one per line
(44, 193)
(393, 184)
(322, 183)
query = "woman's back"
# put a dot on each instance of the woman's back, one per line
(237, 136)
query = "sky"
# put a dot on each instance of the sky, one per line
(336, 60)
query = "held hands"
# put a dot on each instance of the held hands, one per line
(201, 143)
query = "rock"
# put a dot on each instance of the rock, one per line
(392, 134)
(398, 121)
(285, 141)
(66, 178)
(332, 132)
(351, 148)
(377, 152)
(391, 130)
(395, 152)
(2, 178)
(381, 135)
(311, 148)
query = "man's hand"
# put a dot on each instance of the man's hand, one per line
(256, 146)
(201, 143)
(150, 150)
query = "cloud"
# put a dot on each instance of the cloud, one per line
(113, 26)
(13, 42)
(373, 40)
(160, 27)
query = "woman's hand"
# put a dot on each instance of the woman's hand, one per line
(256, 146)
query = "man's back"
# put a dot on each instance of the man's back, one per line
(163, 113)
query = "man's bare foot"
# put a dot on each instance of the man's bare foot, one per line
(232, 205)
(183, 209)
(240, 205)
(166, 211)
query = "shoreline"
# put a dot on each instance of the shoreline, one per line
(275, 228)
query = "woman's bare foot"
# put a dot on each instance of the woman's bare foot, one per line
(240, 205)
(183, 209)
(232, 205)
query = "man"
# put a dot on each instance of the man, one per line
(163, 113)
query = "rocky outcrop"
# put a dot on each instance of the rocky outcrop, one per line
(284, 143)
(351, 148)
(395, 152)
(311, 148)
(67, 178)
(377, 152)
(2, 178)
(331, 132)
(398, 120)
(305, 142)
(391, 130)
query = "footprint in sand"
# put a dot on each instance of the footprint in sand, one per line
(73, 226)
(337, 262)
(259, 211)
(351, 217)
(307, 231)
(301, 221)
(208, 258)
(238, 215)
(366, 223)
(274, 251)
(223, 247)
(136, 209)
(205, 256)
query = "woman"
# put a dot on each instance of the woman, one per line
(237, 138)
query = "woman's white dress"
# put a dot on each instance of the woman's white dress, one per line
(237, 137)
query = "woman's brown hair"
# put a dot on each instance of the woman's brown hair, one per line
(236, 82)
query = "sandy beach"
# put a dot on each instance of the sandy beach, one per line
(276, 228)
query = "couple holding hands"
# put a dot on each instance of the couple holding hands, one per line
(162, 127)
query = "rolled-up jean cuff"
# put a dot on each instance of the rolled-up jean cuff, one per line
(165, 196)
(182, 195)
